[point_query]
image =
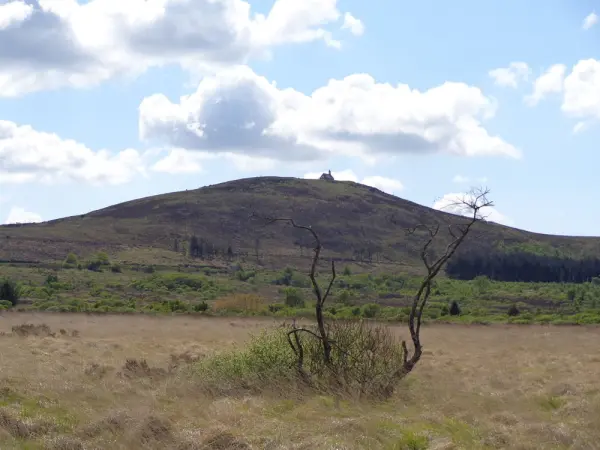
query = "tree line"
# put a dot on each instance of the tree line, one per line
(522, 266)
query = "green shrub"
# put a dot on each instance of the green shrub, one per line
(5, 304)
(102, 258)
(365, 361)
(10, 291)
(370, 310)
(70, 261)
(201, 307)
(51, 278)
(293, 298)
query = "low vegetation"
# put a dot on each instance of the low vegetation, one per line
(142, 382)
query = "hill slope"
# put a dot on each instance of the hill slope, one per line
(350, 218)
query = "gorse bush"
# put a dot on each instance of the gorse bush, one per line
(265, 361)
(365, 361)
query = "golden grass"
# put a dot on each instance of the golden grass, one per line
(476, 387)
(240, 302)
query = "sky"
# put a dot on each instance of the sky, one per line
(104, 101)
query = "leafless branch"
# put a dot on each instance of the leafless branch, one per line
(470, 205)
(321, 298)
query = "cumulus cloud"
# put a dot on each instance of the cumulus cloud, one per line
(550, 82)
(512, 75)
(451, 203)
(589, 21)
(20, 215)
(354, 25)
(581, 98)
(179, 161)
(27, 155)
(580, 90)
(389, 185)
(47, 44)
(240, 112)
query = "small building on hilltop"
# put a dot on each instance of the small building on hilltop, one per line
(327, 177)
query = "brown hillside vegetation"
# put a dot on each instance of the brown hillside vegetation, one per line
(351, 218)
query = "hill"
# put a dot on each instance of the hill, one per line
(353, 221)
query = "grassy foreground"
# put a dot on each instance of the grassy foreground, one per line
(500, 386)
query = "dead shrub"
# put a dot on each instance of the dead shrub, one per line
(114, 423)
(140, 369)
(181, 359)
(97, 370)
(223, 441)
(20, 429)
(155, 430)
(65, 443)
(30, 329)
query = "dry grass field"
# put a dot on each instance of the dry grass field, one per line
(477, 387)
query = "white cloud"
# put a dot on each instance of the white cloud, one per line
(20, 215)
(237, 111)
(27, 155)
(389, 185)
(451, 203)
(179, 161)
(590, 20)
(462, 179)
(48, 44)
(512, 75)
(356, 27)
(14, 12)
(384, 184)
(582, 90)
(550, 82)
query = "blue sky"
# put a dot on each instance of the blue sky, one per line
(106, 101)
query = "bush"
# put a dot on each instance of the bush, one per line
(102, 258)
(513, 310)
(94, 266)
(444, 311)
(370, 310)
(148, 269)
(70, 261)
(51, 278)
(365, 361)
(10, 291)
(293, 298)
(454, 308)
(201, 307)
(5, 304)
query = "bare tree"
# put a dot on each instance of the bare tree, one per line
(378, 341)
(470, 205)
(321, 298)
